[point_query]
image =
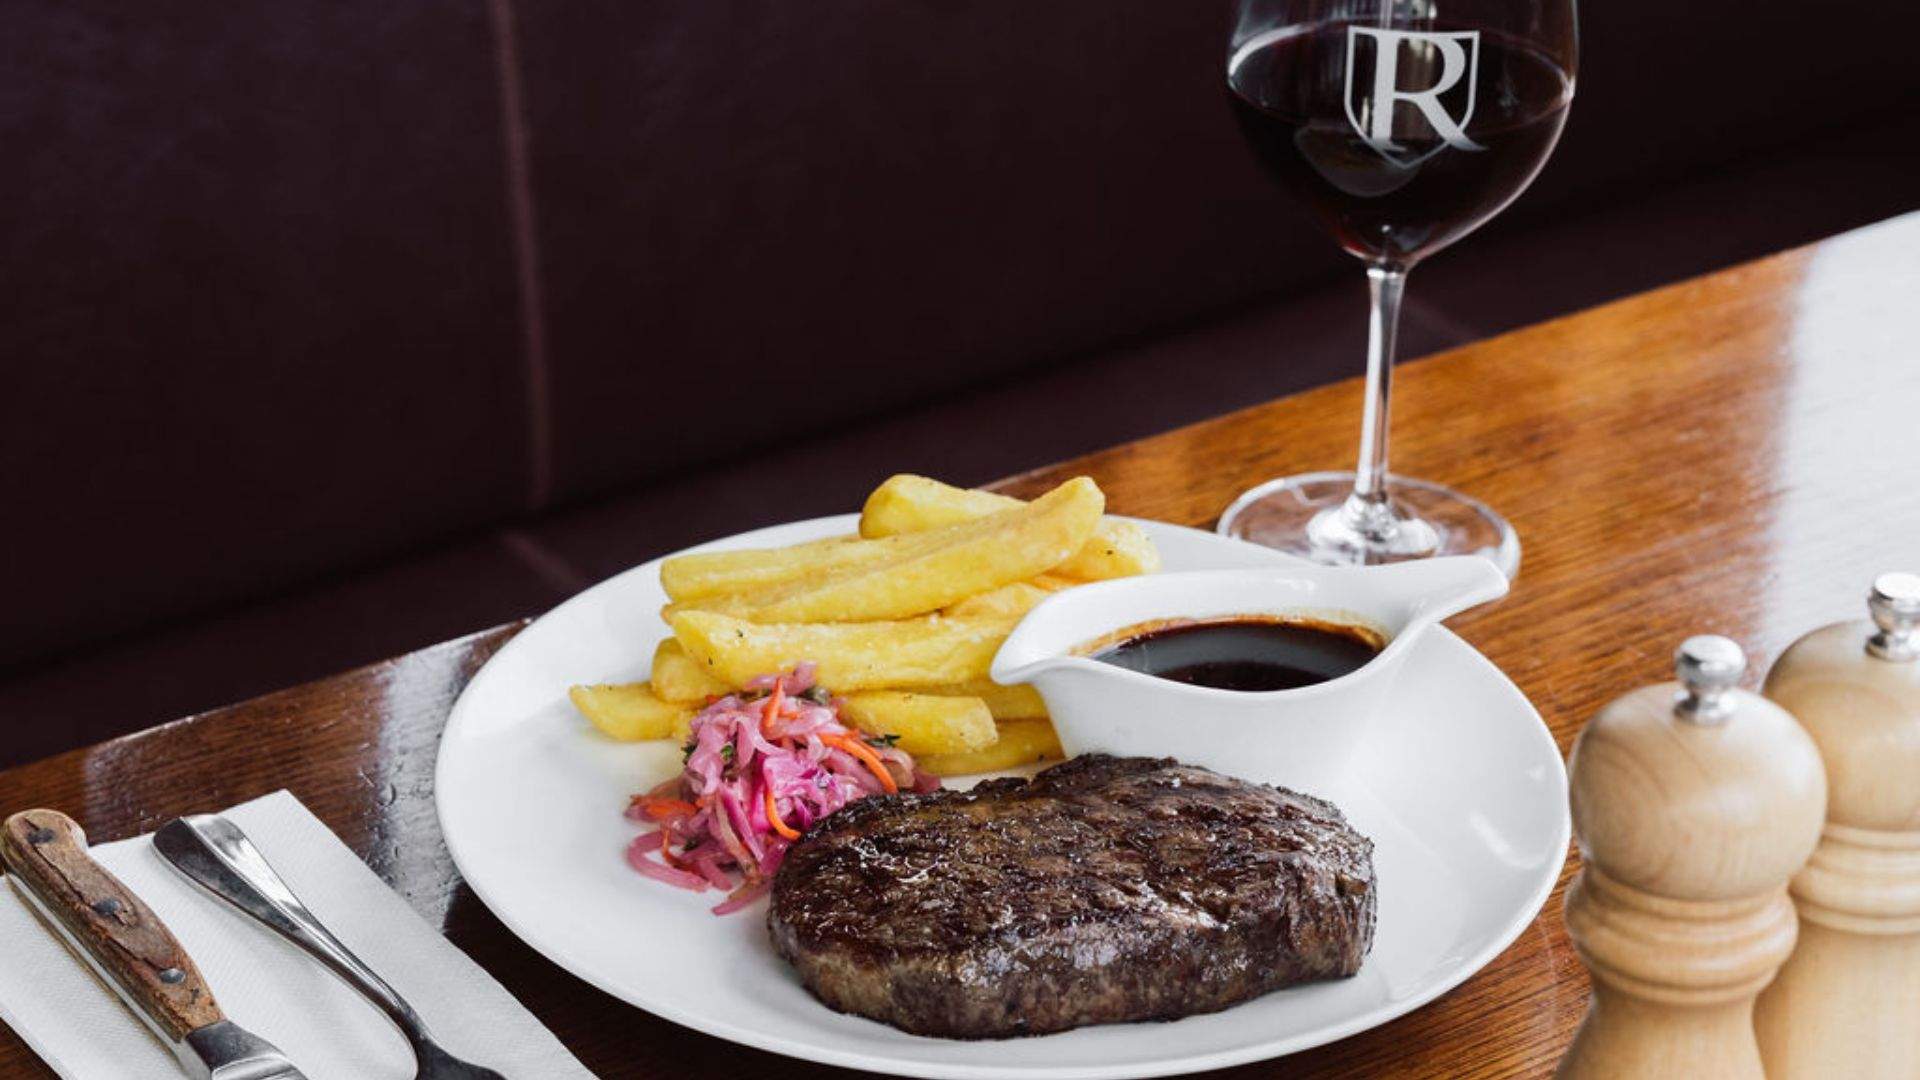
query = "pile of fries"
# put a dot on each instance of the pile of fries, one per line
(901, 621)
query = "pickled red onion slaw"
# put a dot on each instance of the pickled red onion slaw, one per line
(761, 766)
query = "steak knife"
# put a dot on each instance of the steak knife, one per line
(130, 949)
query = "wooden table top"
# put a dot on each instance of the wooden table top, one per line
(1734, 454)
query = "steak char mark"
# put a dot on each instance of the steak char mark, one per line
(1104, 889)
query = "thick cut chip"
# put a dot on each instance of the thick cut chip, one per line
(676, 677)
(1004, 702)
(929, 651)
(680, 678)
(953, 562)
(908, 504)
(1118, 549)
(726, 573)
(631, 712)
(1021, 742)
(1007, 601)
(922, 723)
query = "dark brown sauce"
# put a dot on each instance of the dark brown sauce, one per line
(1244, 653)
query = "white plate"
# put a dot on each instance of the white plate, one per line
(1462, 792)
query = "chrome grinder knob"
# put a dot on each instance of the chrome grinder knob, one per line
(1709, 667)
(1895, 604)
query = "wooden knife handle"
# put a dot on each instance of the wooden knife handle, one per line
(49, 853)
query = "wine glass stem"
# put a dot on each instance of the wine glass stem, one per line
(1368, 510)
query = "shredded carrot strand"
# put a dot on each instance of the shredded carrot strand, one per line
(659, 808)
(867, 757)
(665, 853)
(772, 709)
(773, 818)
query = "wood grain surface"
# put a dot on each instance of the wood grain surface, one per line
(1844, 1003)
(48, 850)
(1734, 454)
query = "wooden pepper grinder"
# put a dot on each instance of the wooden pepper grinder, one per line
(1693, 804)
(1847, 1003)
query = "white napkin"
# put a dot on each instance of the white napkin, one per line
(265, 984)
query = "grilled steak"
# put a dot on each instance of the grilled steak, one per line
(1104, 889)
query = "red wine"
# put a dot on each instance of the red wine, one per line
(1469, 118)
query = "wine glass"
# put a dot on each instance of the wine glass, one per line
(1404, 125)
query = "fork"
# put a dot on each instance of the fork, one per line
(213, 853)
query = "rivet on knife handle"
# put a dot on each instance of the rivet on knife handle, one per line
(48, 852)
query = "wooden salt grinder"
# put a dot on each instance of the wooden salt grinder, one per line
(1847, 1003)
(1693, 804)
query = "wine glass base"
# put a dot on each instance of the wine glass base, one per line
(1307, 516)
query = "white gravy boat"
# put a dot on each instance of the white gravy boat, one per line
(1300, 738)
